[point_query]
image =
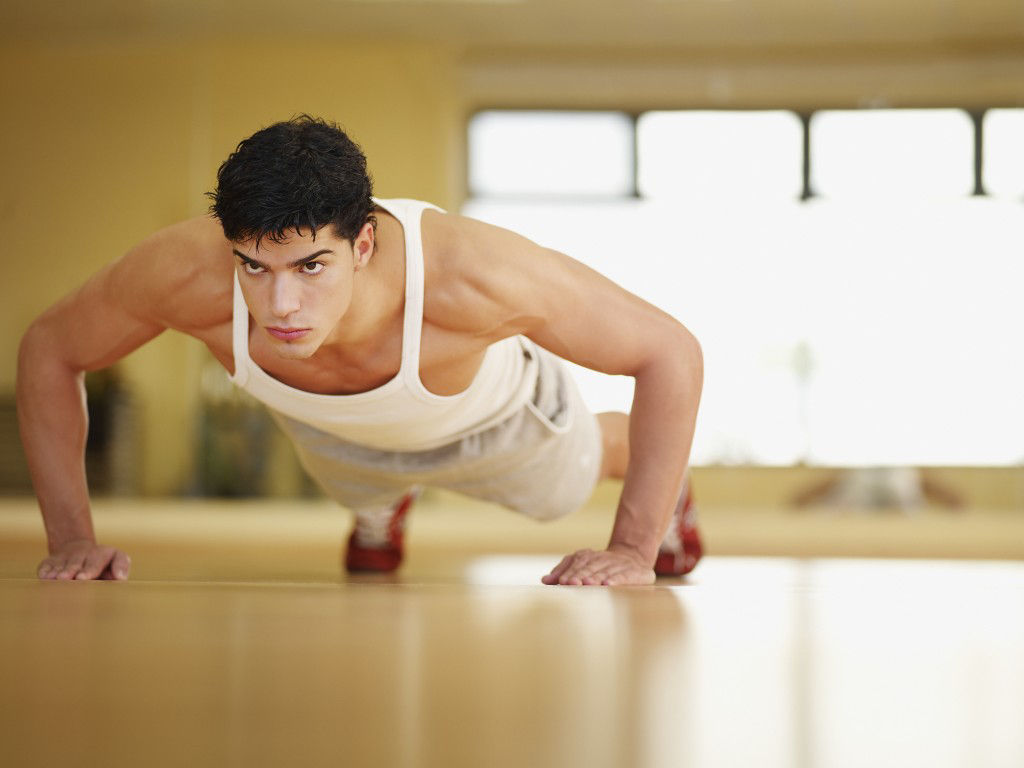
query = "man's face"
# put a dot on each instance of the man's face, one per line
(299, 290)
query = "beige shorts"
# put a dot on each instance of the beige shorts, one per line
(543, 461)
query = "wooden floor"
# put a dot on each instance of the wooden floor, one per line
(239, 642)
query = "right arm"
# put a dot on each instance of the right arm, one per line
(114, 312)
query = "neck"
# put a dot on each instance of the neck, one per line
(378, 291)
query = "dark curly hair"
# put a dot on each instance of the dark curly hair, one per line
(301, 173)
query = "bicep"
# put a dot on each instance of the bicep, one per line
(518, 287)
(99, 323)
(179, 277)
(590, 320)
(133, 299)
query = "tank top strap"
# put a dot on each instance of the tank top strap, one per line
(239, 335)
(410, 214)
(412, 329)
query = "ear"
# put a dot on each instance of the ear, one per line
(362, 246)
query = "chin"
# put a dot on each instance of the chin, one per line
(292, 351)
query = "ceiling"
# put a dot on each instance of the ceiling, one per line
(563, 25)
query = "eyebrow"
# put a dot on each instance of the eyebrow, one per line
(296, 263)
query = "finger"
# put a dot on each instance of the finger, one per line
(574, 577)
(558, 570)
(120, 565)
(567, 564)
(95, 562)
(71, 566)
(57, 565)
(568, 578)
(601, 575)
(575, 574)
(610, 571)
(595, 574)
(50, 566)
(585, 569)
(569, 572)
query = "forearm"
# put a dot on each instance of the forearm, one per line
(53, 422)
(661, 428)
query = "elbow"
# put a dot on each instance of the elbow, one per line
(678, 344)
(696, 351)
(690, 356)
(39, 355)
(674, 354)
(31, 342)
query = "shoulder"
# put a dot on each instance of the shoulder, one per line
(455, 235)
(163, 282)
(479, 277)
(179, 277)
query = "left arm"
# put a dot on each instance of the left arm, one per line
(666, 363)
(661, 428)
(585, 318)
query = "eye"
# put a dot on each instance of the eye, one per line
(251, 268)
(313, 267)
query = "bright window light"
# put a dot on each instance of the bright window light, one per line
(701, 155)
(914, 332)
(1003, 158)
(583, 154)
(838, 332)
(892, 153)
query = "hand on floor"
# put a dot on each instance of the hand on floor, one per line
(610, 567)
(85, 559)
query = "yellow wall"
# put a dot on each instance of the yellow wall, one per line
(105, 141)
(102, 143)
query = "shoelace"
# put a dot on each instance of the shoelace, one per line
(672, 542)
(372, 527)
(685, 517)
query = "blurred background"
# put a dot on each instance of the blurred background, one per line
(830, 195)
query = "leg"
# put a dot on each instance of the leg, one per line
(681, 549)
(615, 442)
(377, 541)
(375, 485)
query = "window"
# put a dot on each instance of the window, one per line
(875, 323)
(1004, 153)
(551, 153)
(723, 155)
(892, 153)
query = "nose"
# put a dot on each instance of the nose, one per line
(284, 298)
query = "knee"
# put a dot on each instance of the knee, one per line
(614, 443)
(545, 513)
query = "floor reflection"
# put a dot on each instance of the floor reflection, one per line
(753, 662)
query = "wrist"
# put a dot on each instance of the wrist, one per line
(636, 529)
(66, 524)
(56, 545)
(642, 554)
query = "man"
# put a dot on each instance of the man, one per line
(397, 345)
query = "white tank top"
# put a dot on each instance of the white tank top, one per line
(400, 415)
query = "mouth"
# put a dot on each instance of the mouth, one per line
(288, 334)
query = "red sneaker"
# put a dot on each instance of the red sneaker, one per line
(681, 548)
(376, 542)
